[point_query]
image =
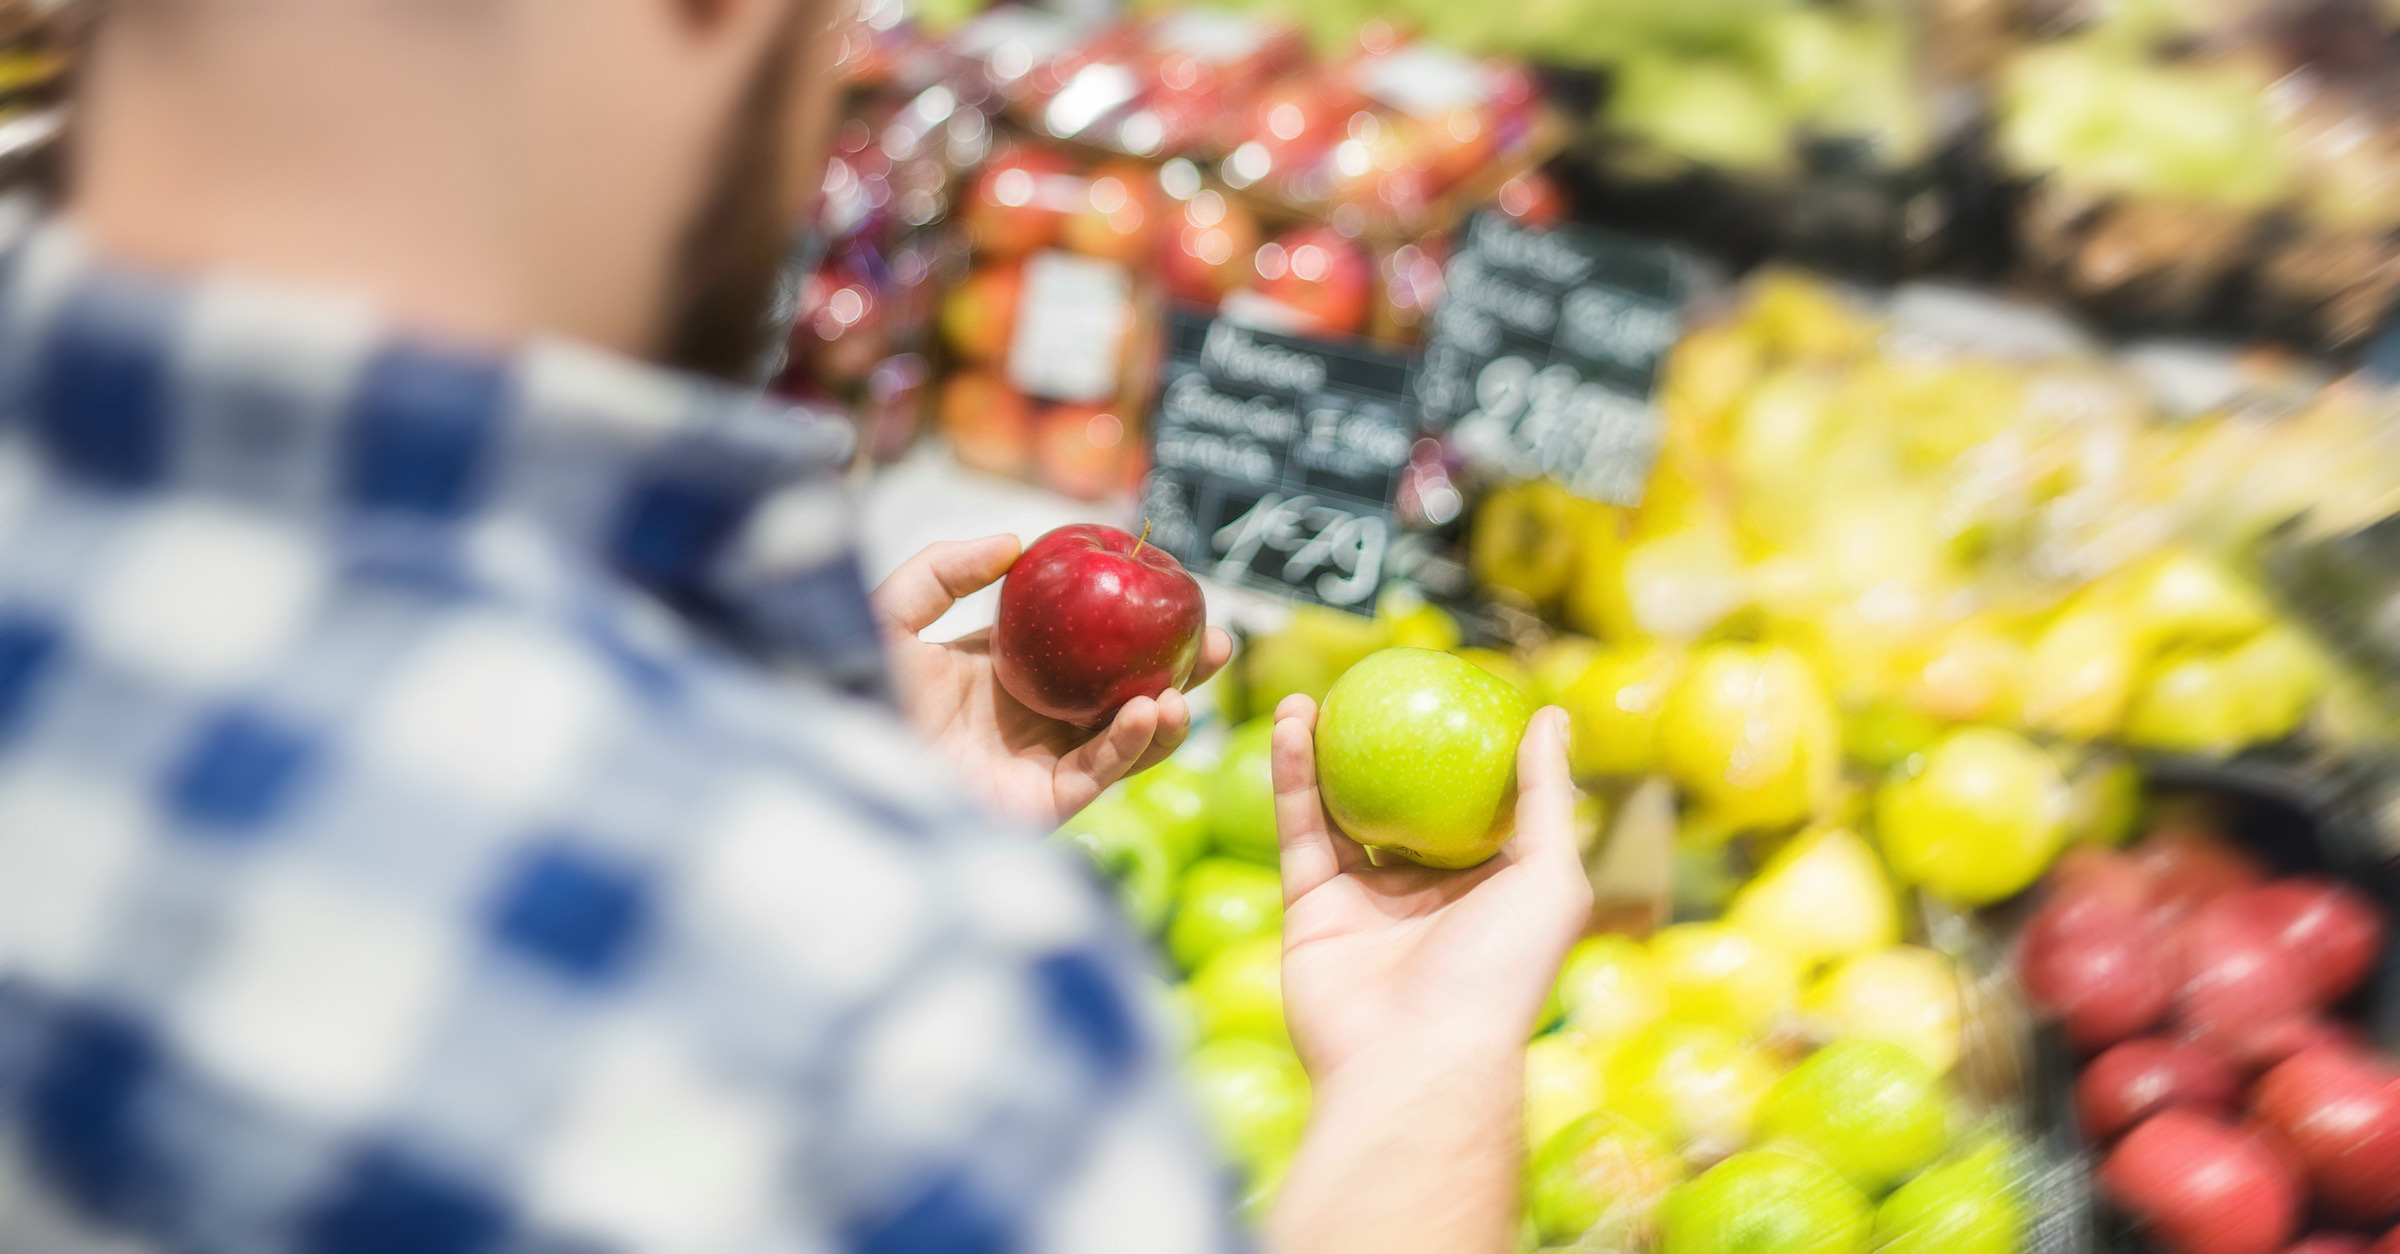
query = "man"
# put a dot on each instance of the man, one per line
(446, 796)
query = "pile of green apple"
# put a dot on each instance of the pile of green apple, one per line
(1776, 1079)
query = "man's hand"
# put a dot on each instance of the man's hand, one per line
(1032, 767)
(1410, 994)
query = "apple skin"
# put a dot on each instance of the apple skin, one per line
(2203, 1187)
(2338, 1108)
(1080, 450)
(1090, 618)
(1321, 273)
(1417, 756)
(979, 316)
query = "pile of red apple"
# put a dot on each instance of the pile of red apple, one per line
(2237, 1107)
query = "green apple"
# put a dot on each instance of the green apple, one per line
(1766, 1200)
(1562, 1085)
(1719, 974)
(1975, 819)
(1822, 896)
(1695, 1084)
(1253, 1096)
(1610, 989)
(1751, 733)
(1125, 845)
(2182, 597)
(1602, 1175)
(1239, 991)
(1223, 900)
(1873, 1111)
(1240, 793)
(2081, 670)
(1172, 794)
(1615, 704)
(1968, 1205)
(1417, 756)
(1409, 619)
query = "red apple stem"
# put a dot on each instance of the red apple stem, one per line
(1137, 545)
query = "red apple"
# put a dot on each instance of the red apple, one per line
(1080, 450)
(980, 316)
(1090, 618)
(2390, 1244)
(2201, 1187)
(1322, 275)
(990, 424)
(1118, 216)
(1016, 205)
(2136, 1079)
(2189, 866)
(2330, 927)
(2338, 1108)
(2093, 956)
(1205, 254)
(1532, 198)
(2244, 994)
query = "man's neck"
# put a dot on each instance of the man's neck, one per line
(299, 156)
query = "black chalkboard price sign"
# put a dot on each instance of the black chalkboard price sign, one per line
(1544, 353)
(1275, 460)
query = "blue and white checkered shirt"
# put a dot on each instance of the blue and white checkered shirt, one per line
(397, 853)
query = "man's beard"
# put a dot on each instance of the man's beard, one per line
(725, 278)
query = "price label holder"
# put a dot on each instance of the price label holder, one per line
(1275, 460)
(1543, 356)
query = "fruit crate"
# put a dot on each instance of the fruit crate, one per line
(2294, 820)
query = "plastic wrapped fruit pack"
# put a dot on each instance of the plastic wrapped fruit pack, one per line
(2228, 163)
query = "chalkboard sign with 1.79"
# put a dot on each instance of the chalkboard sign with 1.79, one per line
(1275, 460)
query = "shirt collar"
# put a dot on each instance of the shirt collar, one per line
(727, 505)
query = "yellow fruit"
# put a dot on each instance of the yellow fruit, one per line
(1751, 734)
(1558, 663)
(2191, 702)
(1695, 1084)
(1681, 584)
(1905, 995)
(1411, 621)
(1973, 675)
(1615, 705)
(1562, 1085)
(1611, 988)
(1976, 818)
(2281, 674)
(1822, 896)
(1523, 541)
(2081, 671)
(2181, 597)
(1719, 974)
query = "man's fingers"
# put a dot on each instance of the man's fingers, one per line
(1546, 793)
(1311, 849)
(927, 585)
(1216, 649)
(1107, 757)
(1174, 724)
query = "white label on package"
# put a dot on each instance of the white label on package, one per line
(1218, 38)
(1425, 81)
(1071, 325)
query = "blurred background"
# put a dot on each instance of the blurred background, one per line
(1938, 451)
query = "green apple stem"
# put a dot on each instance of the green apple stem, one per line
(1375, 855)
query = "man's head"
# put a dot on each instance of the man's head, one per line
(621, 171)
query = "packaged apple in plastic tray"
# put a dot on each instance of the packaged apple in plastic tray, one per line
(2287, 818)
(1170, 85)
(2235, 177)
(1400, 138)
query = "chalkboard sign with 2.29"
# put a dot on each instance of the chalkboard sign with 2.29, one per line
(1275, 460)
(1546, 348)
